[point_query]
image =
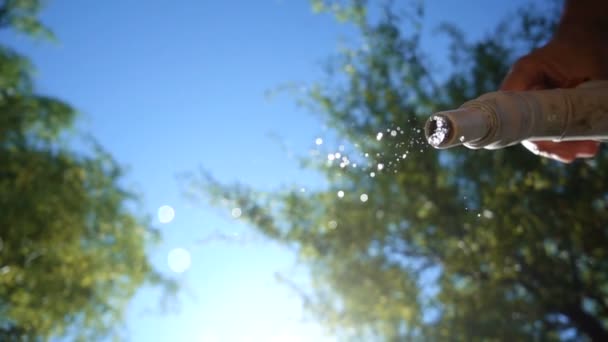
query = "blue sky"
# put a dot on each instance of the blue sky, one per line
(168, 86)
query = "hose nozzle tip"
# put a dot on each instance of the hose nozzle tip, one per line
(438, 131)
(457, 127)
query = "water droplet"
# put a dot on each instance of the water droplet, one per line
(332, 224)
(379, 136)
(366, 155)
(404, 156)
(380, 167)
(236, 212)
(363, 198)
(340, 193)
(341, 148)
(179, 260)
(318, 141)
(302, 189)
(166, 214)
(393, 133)
(331, 157)
(337, 155)
(372, 174)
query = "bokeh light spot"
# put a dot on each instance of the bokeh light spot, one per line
(166, 214)
(179, 260)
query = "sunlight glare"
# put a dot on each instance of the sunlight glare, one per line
(286, 338)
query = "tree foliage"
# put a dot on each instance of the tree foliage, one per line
(71, 253)
(408, 243)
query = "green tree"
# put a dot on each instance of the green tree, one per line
(416, 244)
(71, 252)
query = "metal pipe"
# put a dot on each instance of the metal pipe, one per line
(504, 118)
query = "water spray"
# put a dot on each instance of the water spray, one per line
(504, 118)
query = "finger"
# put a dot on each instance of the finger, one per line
(547, 152)
(566, 151)
(523, 75)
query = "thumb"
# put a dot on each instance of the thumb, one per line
(524, 75)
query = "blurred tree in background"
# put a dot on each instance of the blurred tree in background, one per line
(409, 243)
(71, 253)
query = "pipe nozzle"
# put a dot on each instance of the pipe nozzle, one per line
(457, 127)
(504, 118)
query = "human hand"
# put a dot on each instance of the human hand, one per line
(561, 63)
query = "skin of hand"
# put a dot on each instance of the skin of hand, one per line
(561, 63)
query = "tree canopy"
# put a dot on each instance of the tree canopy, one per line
(409, 243)
(72, 253)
